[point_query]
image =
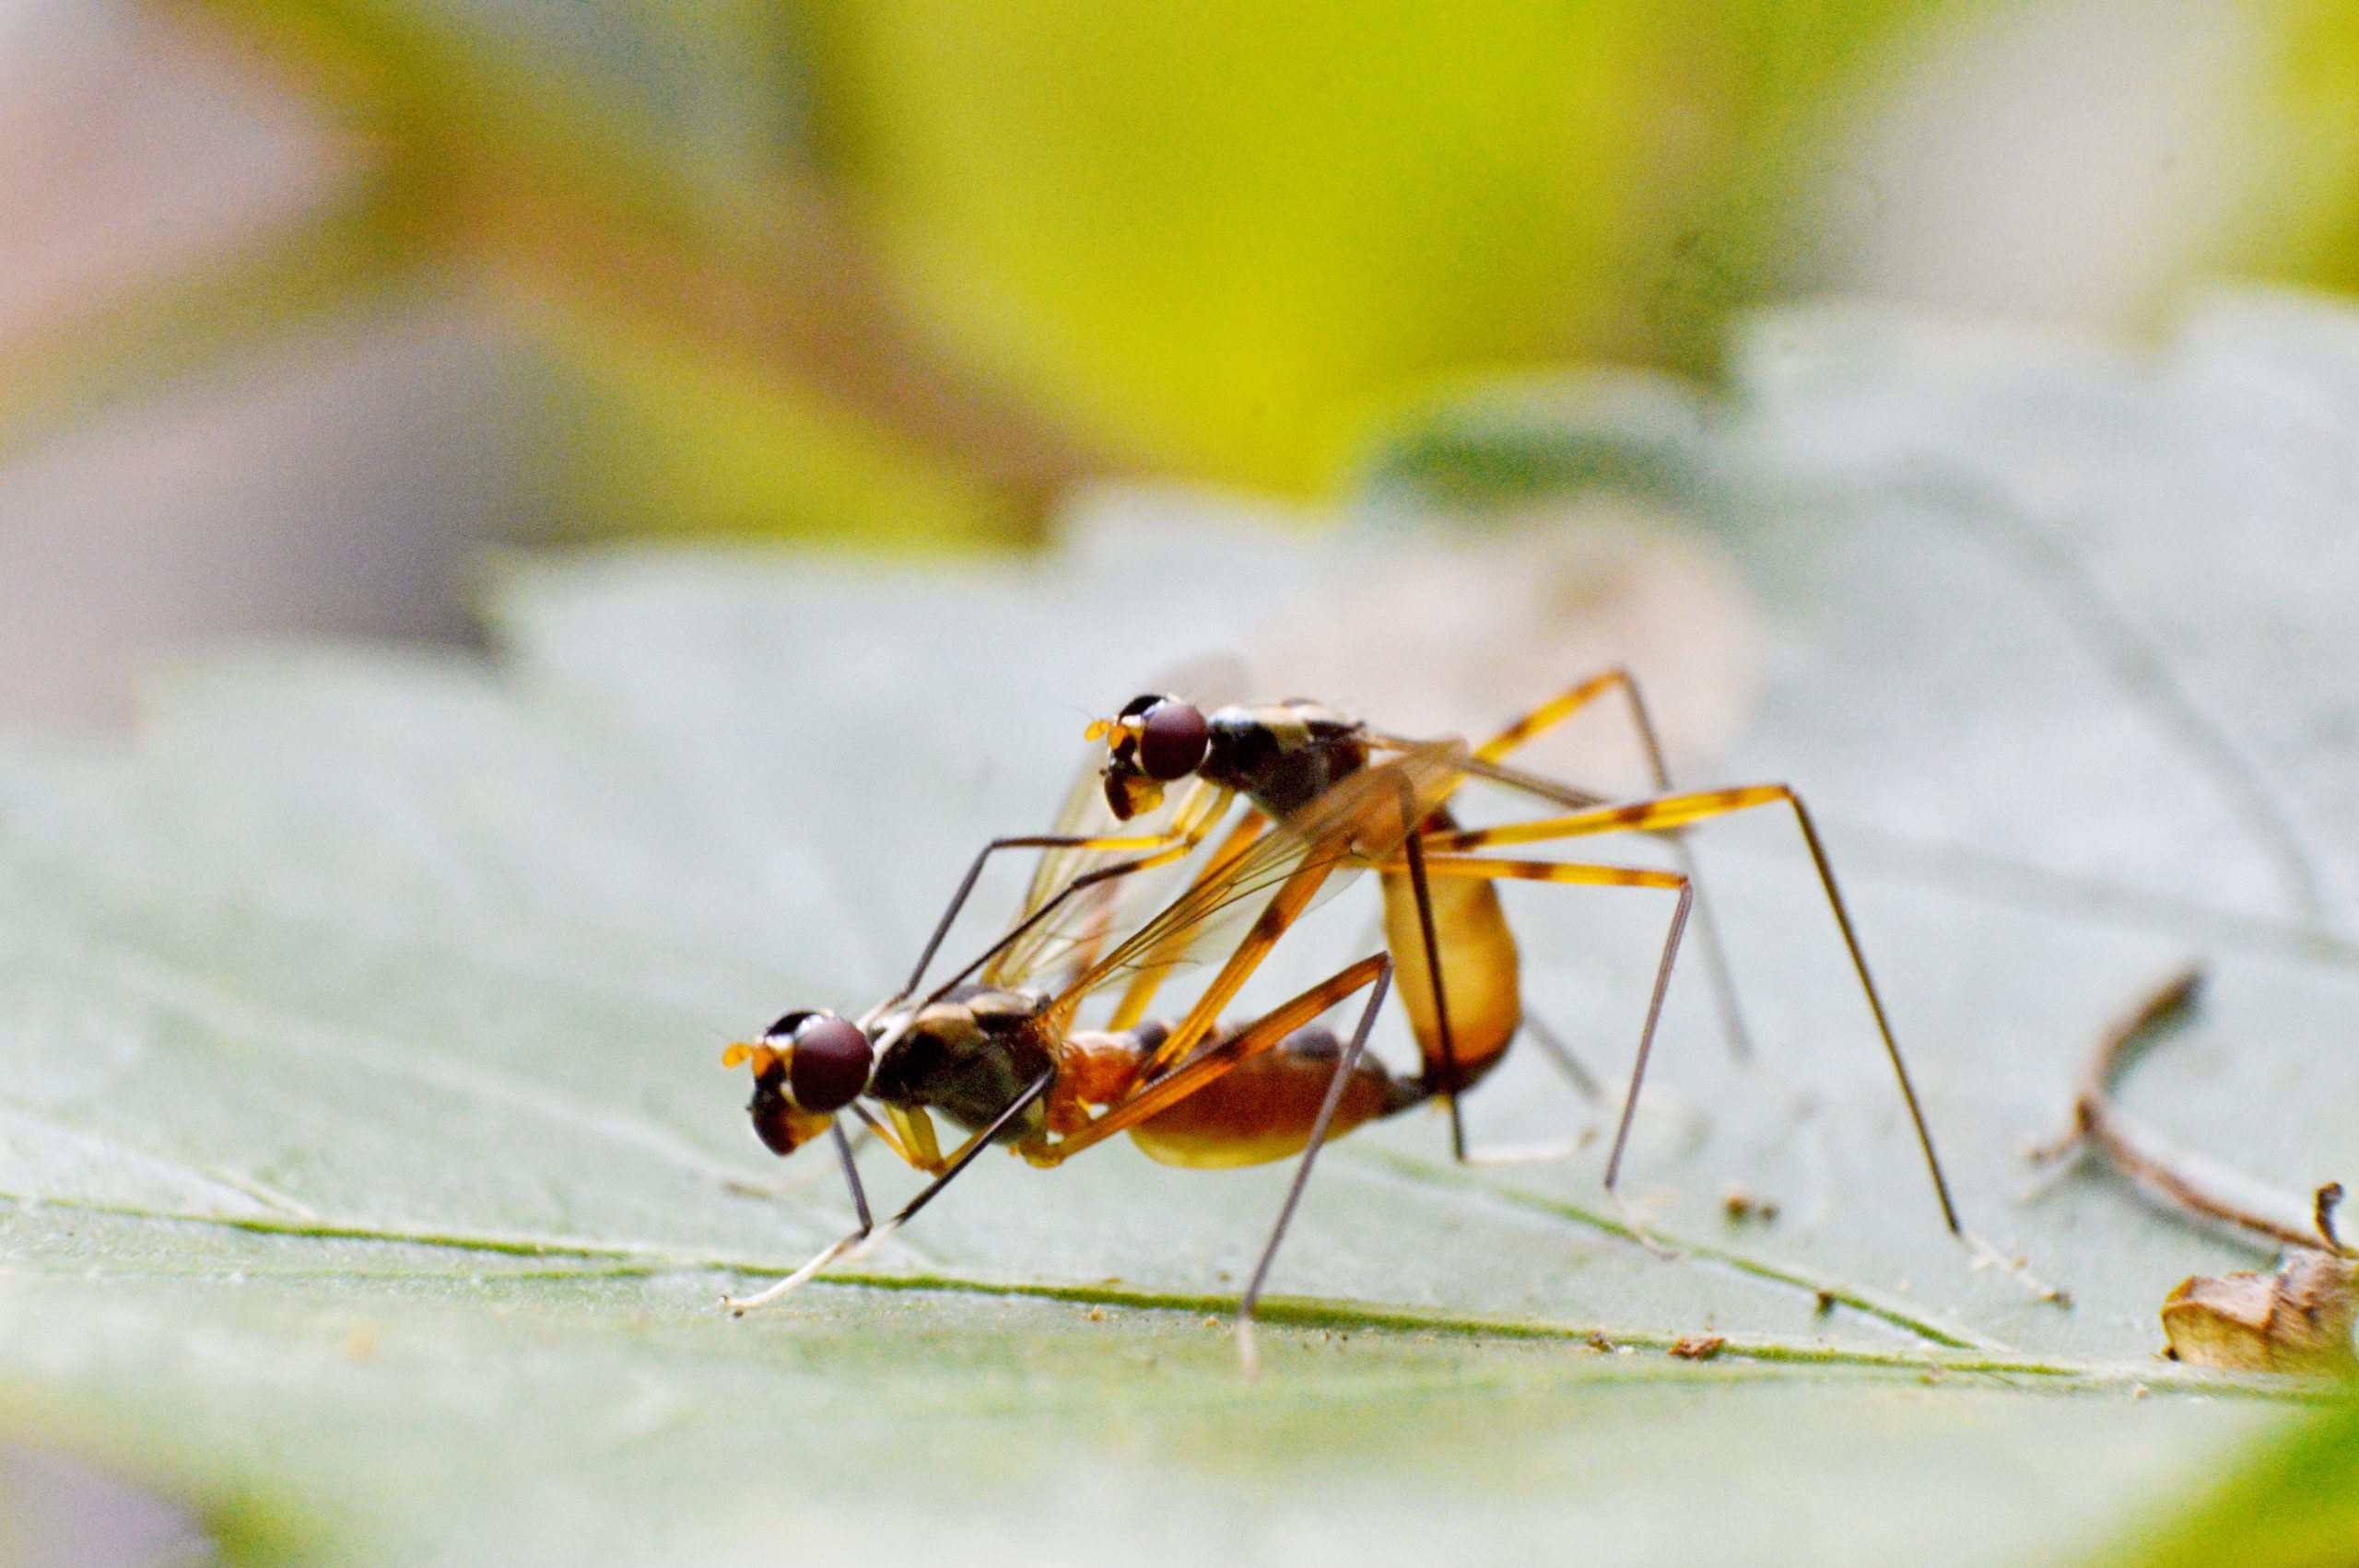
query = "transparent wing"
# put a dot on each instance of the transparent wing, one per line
(1088, 918)
(1359, 823)
(1084, 815)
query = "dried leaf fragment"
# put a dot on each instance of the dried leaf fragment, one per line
(1696, 1347)
(2297, 1319)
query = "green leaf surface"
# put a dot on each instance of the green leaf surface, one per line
(366, 1151)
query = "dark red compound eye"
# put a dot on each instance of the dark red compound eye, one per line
(1173, 738)
(829, 1065)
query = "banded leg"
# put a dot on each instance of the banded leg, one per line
(1486, 764)
(1284, 909)
(1361, 819)
(1678, 811)
(1157, 1095)
(1140, 994)
(869, 1235)
(1344, 1065)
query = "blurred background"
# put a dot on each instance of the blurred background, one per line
(308, 308)
(306, 304)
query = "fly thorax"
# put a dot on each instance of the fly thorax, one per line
(969, 1055)
(1283, 755)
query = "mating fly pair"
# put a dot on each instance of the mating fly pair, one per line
(1002, 1057)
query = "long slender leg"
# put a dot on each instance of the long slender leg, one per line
(860, 1207)
(852, 1176)
(1014, 933)
(1189, 826)
(1555, 710)
(1570, 874)
(872, 1234)
(1413, 851)
(1485, 763)
(1677, 810)
(1584, 1083)
(1350, 1059)
(1576, 1072)
(975, 871)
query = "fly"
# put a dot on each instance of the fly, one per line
(1002, 1059)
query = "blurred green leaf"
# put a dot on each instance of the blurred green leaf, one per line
(1504, 445)
(364, 1143)
(2294, 1504)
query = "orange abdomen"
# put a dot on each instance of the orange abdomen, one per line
(1264, 1108)
(1479, 973)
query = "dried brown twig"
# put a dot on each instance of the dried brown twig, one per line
(2185, 1180)
(2298, 1319)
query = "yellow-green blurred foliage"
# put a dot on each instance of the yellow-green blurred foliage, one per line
(2303, 224)
(1222, 235)
(905, 269)
(1218, 232)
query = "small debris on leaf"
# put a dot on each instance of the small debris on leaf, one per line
(2018, 1268)
(1742, 1206)
(1598, 1341)
(1097, 1315)
(2296, 1320)
(1696, 1347)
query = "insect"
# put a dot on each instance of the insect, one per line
(1456, 964)
(1002, 1059)
(1456, 957)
